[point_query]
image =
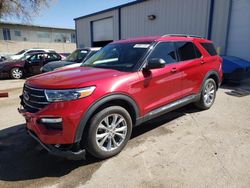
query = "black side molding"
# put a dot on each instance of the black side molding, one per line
(167, 108)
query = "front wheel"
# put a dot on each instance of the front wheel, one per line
(16, 73)
(208, 95)
(109, 132)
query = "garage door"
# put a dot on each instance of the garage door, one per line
(102, 32)
(239, 30)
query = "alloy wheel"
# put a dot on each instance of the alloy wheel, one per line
(111, 132)
(17, 73)
(209, 93)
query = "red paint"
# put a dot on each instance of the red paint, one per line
(150, 90)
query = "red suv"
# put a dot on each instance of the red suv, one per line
(94, 108)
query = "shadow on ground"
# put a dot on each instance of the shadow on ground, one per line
(21, 158)
(237, 89)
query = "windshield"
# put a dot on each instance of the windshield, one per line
(24, 57)
(77, 55)
(119, 56)
(21, 52)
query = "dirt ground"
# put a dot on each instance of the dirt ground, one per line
(185, 148)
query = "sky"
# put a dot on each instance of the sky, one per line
(62, 12)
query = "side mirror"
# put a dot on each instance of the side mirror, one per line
(155, 63)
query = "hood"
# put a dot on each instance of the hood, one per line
(55, 64)
(72, 78)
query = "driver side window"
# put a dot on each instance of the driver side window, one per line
(165, 51)
(36, 58)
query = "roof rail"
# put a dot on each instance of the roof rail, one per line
(181, 35)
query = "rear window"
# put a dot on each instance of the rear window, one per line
(210, 48)
(186, 51)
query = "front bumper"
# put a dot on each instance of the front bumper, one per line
(71, 113)
(79, 155)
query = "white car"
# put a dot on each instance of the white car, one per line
(29, 51)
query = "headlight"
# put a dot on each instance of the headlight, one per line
(68, 94)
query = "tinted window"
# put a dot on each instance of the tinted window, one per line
(52, 56)
(36, 57)
(185, 50)
(197, 51)
(77, 55)
(165, 51)
(6, 34)
(210, 48)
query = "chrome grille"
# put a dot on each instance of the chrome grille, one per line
(33, 99)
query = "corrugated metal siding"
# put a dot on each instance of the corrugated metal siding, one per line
(239, 30)
(83, 26)
(220, 23)
(172, 16)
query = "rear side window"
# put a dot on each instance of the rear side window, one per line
(210, 48)
(186, 50)
(165, 51)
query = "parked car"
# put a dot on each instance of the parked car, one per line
(29, 65)
(29, 51)
(235, 69)
(78, 56)
(94, 107)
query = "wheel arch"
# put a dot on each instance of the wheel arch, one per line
(214, 75)
(122, 100)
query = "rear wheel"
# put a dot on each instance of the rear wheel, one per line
(16, 73)
(208, 95)
(109, 132)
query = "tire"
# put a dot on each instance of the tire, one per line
(104, 139)
(16, 73)
(208, 95)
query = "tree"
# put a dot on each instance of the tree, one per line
(23, 10)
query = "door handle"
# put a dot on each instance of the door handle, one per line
(203, 62)
(173, 70)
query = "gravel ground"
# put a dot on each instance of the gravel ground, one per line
(185, 148)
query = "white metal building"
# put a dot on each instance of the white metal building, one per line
(226, 22)
(15, 37)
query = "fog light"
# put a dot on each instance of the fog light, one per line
(51, 120)
(51, 123)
